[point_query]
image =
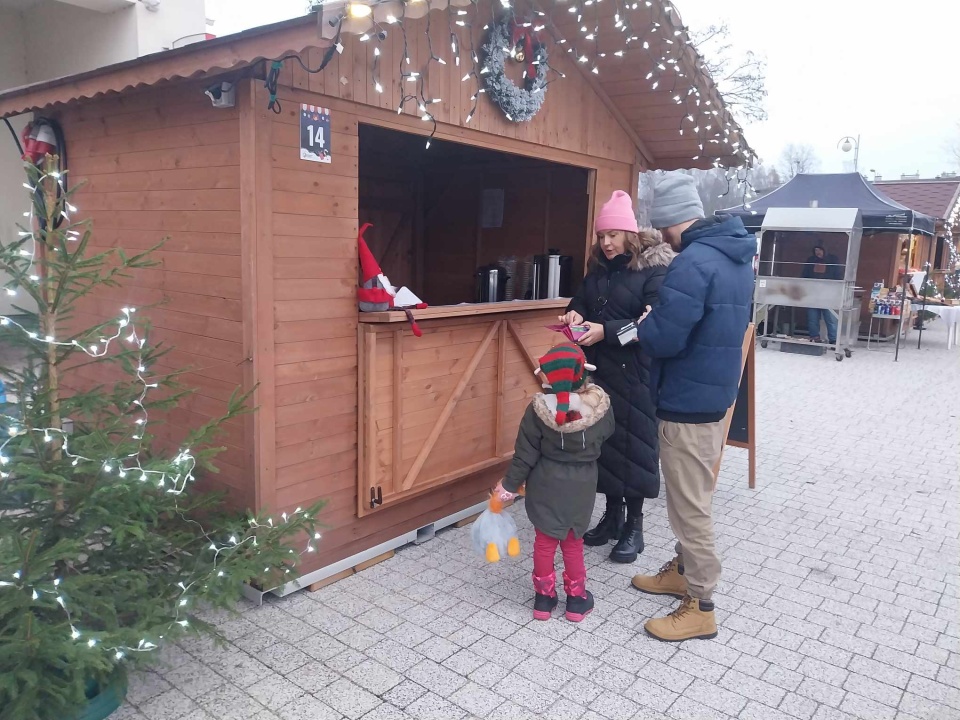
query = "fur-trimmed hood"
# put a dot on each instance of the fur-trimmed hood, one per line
(592, 403)
(659, 255)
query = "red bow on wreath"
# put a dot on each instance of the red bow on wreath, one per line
(528, 37)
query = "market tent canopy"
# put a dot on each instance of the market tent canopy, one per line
(840, 190)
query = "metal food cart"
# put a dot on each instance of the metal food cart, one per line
(788, 233)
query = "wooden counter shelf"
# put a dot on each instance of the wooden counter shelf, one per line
(464, 309)
(444, 406)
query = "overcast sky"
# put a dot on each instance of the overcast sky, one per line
(883, 69)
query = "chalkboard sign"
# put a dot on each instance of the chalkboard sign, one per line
(740, 426)
(739, 431)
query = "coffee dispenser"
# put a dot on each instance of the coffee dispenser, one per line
(491, 283)
(552, 276)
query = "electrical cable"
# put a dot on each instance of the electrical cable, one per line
(273, 76)
(15, 138)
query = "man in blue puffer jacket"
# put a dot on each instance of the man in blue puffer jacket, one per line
(694, 336)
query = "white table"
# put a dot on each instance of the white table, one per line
(950, 314)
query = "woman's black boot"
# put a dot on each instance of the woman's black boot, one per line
(610, 525)
(630, 543)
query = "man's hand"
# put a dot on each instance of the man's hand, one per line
(593, 335)
(643, 317)
(571, 318)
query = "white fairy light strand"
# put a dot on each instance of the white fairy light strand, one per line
(184, 460)
(718, 136)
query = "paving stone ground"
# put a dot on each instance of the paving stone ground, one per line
(839, 596)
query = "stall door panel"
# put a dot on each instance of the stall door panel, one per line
(441, 407)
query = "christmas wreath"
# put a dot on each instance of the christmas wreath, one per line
(507, 38)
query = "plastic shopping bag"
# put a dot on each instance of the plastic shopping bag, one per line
(494, 533)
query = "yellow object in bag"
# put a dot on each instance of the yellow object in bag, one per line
(494, 533)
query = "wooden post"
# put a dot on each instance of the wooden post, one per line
(257, 247)
(501, 379)
(397, 406)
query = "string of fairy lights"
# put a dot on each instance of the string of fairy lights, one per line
(129, 467)
(663, 38)
(952, 276)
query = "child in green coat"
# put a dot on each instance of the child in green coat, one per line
(556, 458)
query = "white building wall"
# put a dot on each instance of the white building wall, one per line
(75, 40)
(14, 200)
(53, 39)
(175, 20)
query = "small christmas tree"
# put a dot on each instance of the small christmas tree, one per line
(105, 552)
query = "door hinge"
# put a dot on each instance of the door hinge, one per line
(376, 497)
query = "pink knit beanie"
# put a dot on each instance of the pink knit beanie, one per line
(617, 214)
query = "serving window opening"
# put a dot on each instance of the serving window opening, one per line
(462, 224)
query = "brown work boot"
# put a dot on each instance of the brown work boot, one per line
(669, 581)
(692, 619)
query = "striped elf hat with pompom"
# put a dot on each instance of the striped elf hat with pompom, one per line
(565, 368)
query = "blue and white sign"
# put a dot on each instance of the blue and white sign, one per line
(314, 133)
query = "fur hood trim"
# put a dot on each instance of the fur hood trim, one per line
(592, 403)
(660, 255)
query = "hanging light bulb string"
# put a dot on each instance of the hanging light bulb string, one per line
(378, 34)
(698, 116)
(424, 101)
(405, 75)
(184, 463)
(474, 59)
(454, 40)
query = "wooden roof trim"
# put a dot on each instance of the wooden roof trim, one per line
(211, 57)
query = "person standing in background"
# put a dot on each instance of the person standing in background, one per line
(821, 266)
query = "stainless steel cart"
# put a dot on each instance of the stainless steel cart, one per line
(786, 234)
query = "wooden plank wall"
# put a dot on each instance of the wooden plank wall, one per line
(409, 393)
(162, 163)
(572, 117)
(315, 220)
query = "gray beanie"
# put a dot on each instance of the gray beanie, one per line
(675, 200)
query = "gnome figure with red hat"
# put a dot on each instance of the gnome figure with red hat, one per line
(556, 458)
(376, 294)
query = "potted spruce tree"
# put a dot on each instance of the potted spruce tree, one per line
(106, 549)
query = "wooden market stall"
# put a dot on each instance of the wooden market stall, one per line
(257, 281)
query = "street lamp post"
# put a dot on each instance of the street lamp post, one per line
(848, 143)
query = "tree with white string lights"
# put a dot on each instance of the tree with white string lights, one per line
(107, 551)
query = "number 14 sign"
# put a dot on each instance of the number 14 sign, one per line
(314, 133)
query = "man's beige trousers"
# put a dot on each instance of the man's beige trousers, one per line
(688, 454)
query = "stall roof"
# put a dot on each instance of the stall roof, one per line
(937, 198)
(675, 116)
(840, 190)
(818, 219)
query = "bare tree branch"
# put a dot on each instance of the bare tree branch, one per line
(796, 159)
(741, 79)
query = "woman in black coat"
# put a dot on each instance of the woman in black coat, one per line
(624, 275)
